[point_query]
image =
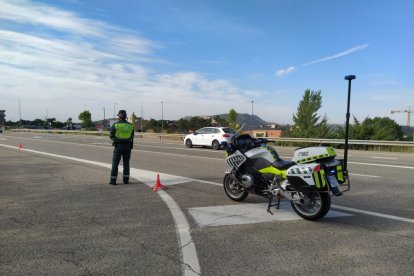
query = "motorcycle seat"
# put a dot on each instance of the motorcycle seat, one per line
(283, 164)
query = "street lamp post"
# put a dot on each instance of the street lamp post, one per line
(162, 116)
(349, 78)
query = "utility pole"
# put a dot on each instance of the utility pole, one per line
(104, 113)
(114, 110)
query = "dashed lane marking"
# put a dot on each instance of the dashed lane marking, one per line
(364, 175)
(388, 158)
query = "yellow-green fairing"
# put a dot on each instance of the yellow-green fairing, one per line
(273, 170)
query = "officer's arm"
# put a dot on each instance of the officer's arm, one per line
(132, 137)
(112, 132)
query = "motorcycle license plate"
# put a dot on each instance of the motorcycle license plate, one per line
(333, 182)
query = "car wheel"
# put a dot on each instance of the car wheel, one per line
(188, 143)
(216, 145)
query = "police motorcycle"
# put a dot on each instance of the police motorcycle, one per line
(308, 181)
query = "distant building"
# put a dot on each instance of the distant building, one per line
(140, 122)
(264, 132)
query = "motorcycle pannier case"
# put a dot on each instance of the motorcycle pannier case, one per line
(306, 177)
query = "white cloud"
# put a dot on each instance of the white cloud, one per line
(338, 55)
(91, 64)
(28, 12)
(283, 72)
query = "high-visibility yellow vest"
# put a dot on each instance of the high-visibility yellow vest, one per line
(123, 131)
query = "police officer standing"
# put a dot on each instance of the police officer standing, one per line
(122, 136)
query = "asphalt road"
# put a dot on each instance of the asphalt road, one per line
(58, 215)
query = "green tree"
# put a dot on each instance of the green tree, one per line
(220, 121)
(39, 123)
(198, 122)
(69, 121)
(374, 129)
(381, 129)
(232, 119)
(183, 125)
(153, 125)
(308, 124)
(86, 119)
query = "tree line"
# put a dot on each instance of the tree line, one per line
(307, 123)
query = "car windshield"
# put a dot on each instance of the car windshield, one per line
(228, 130)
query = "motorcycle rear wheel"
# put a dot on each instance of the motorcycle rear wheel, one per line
(233, 189)
(311, 205)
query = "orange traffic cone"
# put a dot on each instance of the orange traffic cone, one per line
(20, 146)
(158, 185)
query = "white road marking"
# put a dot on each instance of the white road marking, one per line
(365, 175)
(388, 158)
(177, 179)
(201, 157)
(108, 144)
(373, 214)
(247, 214)
(190, 261)
(382, 165)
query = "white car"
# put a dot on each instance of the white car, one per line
(209, 136)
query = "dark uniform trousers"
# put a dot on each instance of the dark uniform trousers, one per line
(121, 150)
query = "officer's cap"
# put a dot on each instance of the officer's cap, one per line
(121, 112)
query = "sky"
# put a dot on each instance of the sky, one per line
(168, 59)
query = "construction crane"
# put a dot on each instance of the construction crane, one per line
(409, 113)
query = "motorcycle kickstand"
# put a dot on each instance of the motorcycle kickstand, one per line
(277, 205)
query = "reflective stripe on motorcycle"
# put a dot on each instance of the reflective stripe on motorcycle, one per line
(313, 158)
(319, 178)
(339, 173)
(331, 151)
(306, 170)
(273, 170)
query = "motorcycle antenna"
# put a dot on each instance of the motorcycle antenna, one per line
(349, 78)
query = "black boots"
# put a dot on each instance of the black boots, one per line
(113, 181)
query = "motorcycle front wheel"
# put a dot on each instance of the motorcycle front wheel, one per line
(233, 189)
(311, 205)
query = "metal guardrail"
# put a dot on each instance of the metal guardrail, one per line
(180, 137)
(342, 141)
